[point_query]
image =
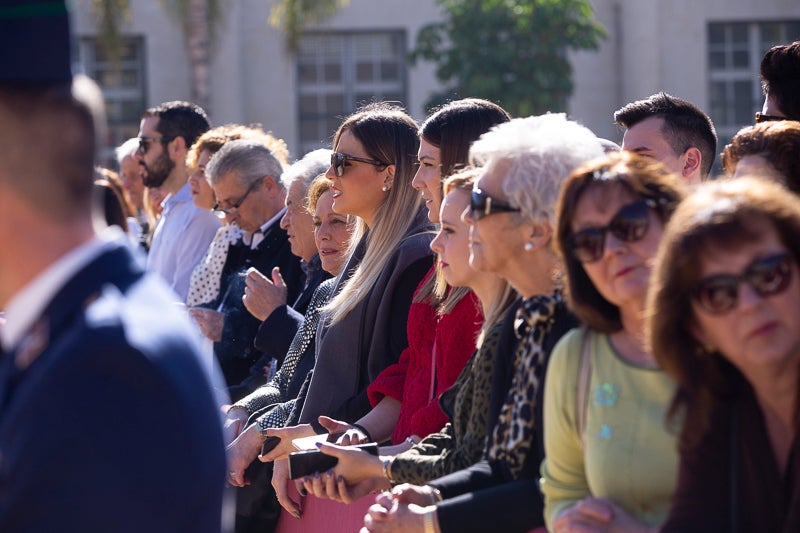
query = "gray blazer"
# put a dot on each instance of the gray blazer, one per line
(352, 352)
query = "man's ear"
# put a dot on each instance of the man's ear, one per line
(270, 185)
(177, 149)
(692, 162)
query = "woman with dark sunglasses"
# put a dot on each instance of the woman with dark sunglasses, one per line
(364, 327)
(724, 322)
(610, 461)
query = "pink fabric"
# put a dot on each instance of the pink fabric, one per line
(325, 515)
(409, 380)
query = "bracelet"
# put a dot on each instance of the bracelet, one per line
(427, 523)
(411, 440)
(387, 469)
(363, 430)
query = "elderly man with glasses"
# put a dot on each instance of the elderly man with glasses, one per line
(246, 179)
(184, 231)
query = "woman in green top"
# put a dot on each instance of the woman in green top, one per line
(610, 461)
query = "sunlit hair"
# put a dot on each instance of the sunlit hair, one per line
(780, 77)
(505, 296)
(685, 125)
(307, 169)
(126, 149)
(389, 135)
(248, 161)
(113, 180)
(179, 119)
(452, 128)
(778, 142)
(624, 172)
(535, 155)
(318, 187)
(215, 138)
(719, 216)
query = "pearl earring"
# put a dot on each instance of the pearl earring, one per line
(528, 246)
(385, 188)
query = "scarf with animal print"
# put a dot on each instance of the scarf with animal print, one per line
(513, 434)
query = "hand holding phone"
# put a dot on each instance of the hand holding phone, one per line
(307, 462)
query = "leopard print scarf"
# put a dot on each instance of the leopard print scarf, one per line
(513, 434)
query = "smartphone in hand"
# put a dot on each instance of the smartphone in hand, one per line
(307, 462)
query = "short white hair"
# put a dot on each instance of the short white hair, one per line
(537, 154)
(307, 169)
(128, 148)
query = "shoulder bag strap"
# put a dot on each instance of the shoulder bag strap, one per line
(584, 375)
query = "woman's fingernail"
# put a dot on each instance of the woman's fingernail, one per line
(318, 444)
(303, 491)
(340, 479)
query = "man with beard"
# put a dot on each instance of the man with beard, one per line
(184, 231)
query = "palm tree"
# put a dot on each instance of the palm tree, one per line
(199, 20)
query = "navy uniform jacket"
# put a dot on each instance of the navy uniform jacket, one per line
(107, 421)
(236, 352)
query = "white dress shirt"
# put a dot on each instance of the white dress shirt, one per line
(180, 240)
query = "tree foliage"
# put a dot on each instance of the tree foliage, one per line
(292, 16)
(513, 52)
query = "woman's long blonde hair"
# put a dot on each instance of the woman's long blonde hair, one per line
(389, 135)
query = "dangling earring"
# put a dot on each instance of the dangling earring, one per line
(385, 188)
(528, 246)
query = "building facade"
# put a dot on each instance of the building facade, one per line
(707, 52)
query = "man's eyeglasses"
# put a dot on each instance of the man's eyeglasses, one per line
(482, 205)
(144, 142)
(768, 276)
(238, 203)
(338, 160)
(763, 117)
(630, 224)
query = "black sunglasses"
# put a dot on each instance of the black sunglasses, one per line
(238, 203)
(762, 117)
(482, 205)
(768, 276)
(630, 224)
(144, 142)
(339, 159)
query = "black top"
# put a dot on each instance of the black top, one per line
(473, 495)
(766, 499)
(236, 352)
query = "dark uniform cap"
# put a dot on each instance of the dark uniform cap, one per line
(34, 43)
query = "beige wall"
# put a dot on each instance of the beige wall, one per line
(655, 45)
(652, 45)
(253, 79)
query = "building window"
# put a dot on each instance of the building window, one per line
(337, 72)
(735, 50)
(123, 88)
